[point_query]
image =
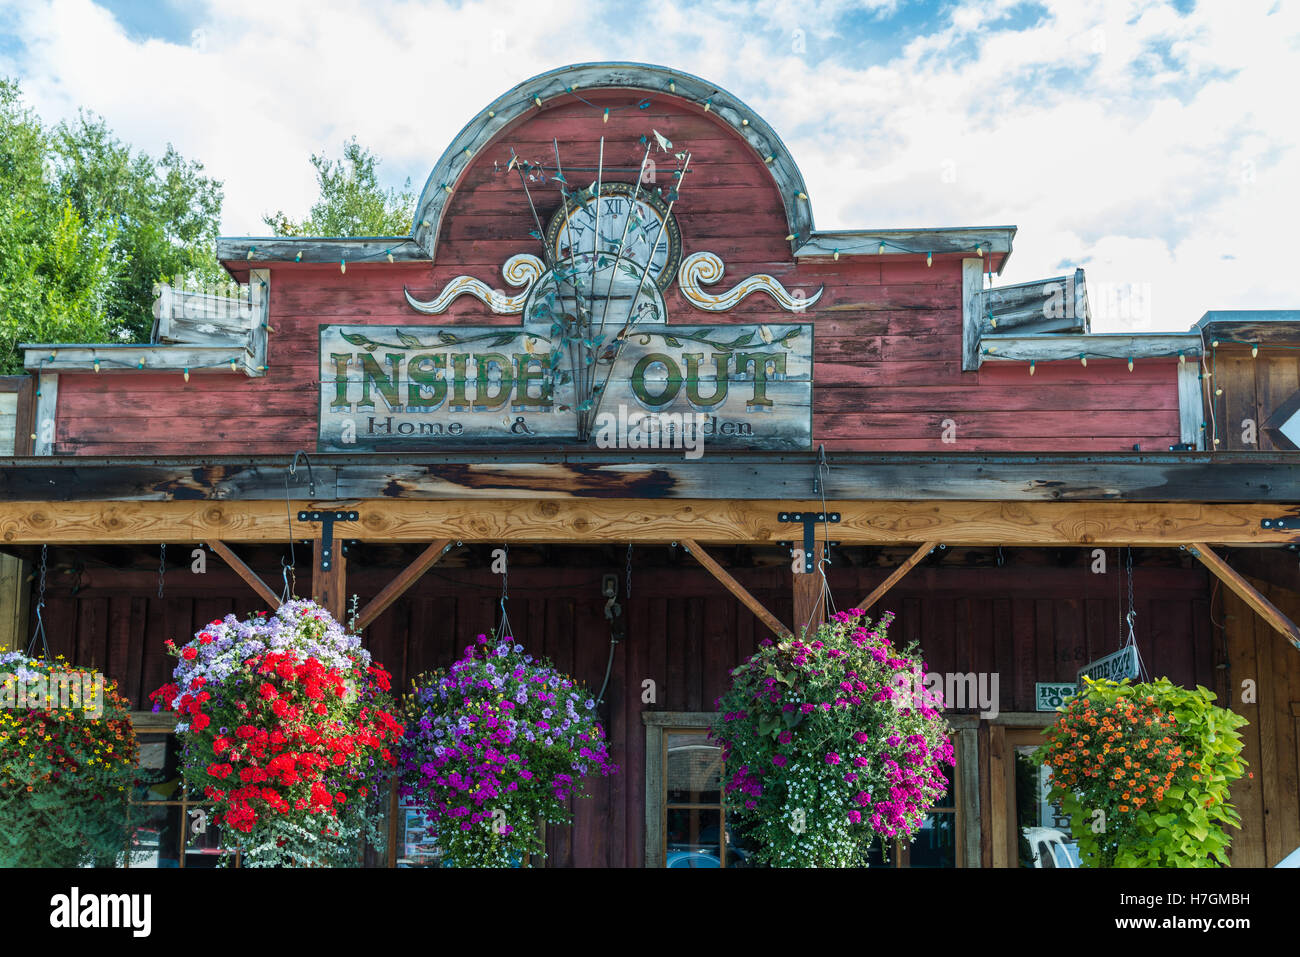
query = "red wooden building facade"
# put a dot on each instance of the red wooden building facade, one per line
(979, 437)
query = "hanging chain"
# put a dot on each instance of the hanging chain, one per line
(1132, 611)
(162, 566)
(39, 630)
(627, 589)
(505, 630)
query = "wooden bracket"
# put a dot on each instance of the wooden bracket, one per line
(736, 588)
(895, 575)
(1246, 592)
(398, 586)
(243, 571)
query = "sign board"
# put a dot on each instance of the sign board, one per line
(1049, 697)
(410, 388)
(1114, 667)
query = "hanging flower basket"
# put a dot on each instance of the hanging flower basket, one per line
(494, 745)
(1144, 772)
(286, 727)
(68, 755)
(831, 744)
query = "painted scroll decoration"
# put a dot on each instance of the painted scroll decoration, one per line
(521, 271)
(706, 268)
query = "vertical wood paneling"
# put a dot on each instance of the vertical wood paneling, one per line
(1247, 793)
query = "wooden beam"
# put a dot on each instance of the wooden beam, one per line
(895, 575)
(243, 571)
(329, 585)
(656, 521)
(1096, 345)
(1247, 593)
(809, 594)
(736, 588)
(398, 586)
(858, 476)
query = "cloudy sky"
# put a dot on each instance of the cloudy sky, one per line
(1152, 143)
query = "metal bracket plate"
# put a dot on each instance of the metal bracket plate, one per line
(327, 520)
(810, 521)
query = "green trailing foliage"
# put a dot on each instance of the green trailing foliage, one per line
(1144, 772)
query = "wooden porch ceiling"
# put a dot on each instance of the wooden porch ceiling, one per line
(634, 520)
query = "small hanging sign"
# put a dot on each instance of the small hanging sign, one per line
(1113, 667)
(1050, 696)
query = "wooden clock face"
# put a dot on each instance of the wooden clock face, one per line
(621, 214)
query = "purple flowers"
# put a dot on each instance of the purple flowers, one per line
(498, 711)
(832, 758)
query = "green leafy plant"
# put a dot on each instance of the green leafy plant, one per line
(68, 755)
(1144, 771)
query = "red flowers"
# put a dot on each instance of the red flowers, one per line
(297, 741)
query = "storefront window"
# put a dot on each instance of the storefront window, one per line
(169, 828)
(1043, 832)
(936, 841)
(696, 832)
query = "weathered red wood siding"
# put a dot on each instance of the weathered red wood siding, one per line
(683, 632)
(887, 356)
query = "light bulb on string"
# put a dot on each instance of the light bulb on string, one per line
(1083, 359)
(605, 118)
(389, 254)
(1130, 363)
(140, 364)
(1254, 350)
(837, 255)
(96, 363)
(1182, 359)
(1031, 366)
(929, 259)
(187, 373)
(343, 266)
(881, 251)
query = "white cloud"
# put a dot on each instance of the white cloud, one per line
(1150, 147)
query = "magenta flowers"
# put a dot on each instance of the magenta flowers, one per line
(828, 747)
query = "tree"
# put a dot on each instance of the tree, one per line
(55, 271)
(351, 202)
(88, 228)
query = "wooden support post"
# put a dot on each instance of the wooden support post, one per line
(247, 574)
(329, 586)
(736, 588)
(398, 586)
(895, 575)
(1247, 592)
(809, 595)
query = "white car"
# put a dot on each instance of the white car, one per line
(1051, 847)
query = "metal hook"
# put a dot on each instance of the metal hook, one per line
(293, 470)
